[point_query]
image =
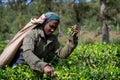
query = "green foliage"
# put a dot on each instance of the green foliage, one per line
(70, 31)
(92, 61)
(2, 46)
(22, 72)
(97, 61)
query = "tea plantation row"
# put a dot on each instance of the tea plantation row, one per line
(97, 61)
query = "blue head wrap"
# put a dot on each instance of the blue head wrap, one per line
(52, 16)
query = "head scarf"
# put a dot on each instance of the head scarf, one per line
(52, 16)
(49, 16)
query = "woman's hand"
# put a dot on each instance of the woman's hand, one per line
(49, 71)
(75, 29)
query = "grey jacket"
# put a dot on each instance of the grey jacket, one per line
(36, 48)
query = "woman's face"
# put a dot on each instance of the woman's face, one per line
(50, 27)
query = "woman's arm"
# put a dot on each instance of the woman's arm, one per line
(70, 45)
(28, 52)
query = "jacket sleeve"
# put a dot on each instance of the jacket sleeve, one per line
(28, 52)
(65, 51)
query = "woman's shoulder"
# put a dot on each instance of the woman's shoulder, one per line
(35, 32)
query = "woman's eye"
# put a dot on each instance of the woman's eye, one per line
(52, 26)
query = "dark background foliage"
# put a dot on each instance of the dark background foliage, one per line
(15, 14)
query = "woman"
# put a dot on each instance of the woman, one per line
(40, 44)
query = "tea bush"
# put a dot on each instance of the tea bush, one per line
(97, 61)
(93, 61)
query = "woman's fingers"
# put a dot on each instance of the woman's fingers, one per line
(75, 29)
(49, 71)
